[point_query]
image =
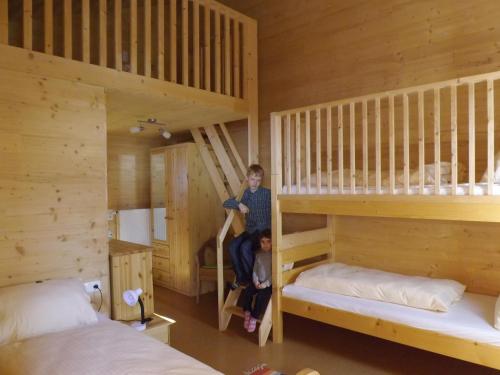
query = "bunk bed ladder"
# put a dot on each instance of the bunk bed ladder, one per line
(230, 308)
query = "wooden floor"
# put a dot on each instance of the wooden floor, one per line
(328, 349)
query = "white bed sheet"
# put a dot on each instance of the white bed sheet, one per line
(104, 348)
(445, 189)
(470, 318)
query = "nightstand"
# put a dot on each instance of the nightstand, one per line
(158, 328)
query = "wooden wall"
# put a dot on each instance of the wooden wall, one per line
(316, 51)
(129, 171)
(52, 180)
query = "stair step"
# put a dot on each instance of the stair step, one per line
(238, 311)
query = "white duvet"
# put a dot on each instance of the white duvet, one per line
(414, 291)
(104, 348)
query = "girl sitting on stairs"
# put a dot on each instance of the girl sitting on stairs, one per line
(261, 286)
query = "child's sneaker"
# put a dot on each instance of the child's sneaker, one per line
(252, 324)
(234, 285)
(247, 320)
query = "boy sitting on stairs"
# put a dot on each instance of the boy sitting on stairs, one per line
(261, 286)
(256, 205)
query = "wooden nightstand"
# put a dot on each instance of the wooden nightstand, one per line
(158, 328)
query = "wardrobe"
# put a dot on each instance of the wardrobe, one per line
(185, 212)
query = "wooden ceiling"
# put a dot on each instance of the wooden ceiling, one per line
(130, 97)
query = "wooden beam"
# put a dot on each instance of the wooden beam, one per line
(301, 252)
(308, 152)
(217, 51)
(437, 141)
(236, 58)
(227, 54)
(340, 115)
(288, 154)
(147, 38)
(4, 21)
(421, 143)
(491, 135)
(48, 20)
(392, 158)
(251, 94)
(161, 39)
(318, 151)
(378, 152)
(329, 158)
(303, 238)
(86, 31)
(173, 41)
(406, 144)
(103, 32)
(298, 157)
(472, 138)
(118, 35)
(454, 145)
(196, 43)
(28, 24)
(133, 36)
(365, 145)
(352, 147)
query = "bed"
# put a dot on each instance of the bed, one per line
(96, 347)
(409, 182)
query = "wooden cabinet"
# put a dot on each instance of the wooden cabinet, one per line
(186, 211)
(131, 266)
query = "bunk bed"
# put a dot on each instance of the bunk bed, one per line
(413, 159)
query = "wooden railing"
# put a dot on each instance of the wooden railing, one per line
(197, 43)
(416, 140)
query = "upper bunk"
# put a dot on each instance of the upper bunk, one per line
(424, 152)
(183, 62)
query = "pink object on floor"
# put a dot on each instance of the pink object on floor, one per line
(252, 324)
(247, 320)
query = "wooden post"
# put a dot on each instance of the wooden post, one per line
(378, 153)
(308, 152)
(276, 185)
(4, 21)
(147, 38)
(28, 24)
(250, 87)
(340, 150)
(207, 45)
(329, 159)
(103, 32)
(454, 146)
(437, 141)
(173, 41)
(472, 138)
(298, 158)
(392, 160)
(161, 39)
(236, 58)
(196, 43)
(406, 142)
(133, 36)
(227, 53)
(48, 26)
(118, 35)
(365, 145)
(491, 134)
(352, 147)
(185, 43)
(288, 155)
(421, 143)
(86, 31)
(68, 29)
(318, 151)
(217, 51)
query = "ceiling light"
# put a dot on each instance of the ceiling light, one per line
(136, 129)
(166, 134)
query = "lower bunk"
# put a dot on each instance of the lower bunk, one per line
(465, 332)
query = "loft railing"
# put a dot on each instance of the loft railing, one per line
(197, 43)
(435, 139)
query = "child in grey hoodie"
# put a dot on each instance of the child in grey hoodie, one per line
(261, 286)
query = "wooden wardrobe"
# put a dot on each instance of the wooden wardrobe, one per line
(185, 211)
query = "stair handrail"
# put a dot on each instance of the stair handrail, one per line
(220, 254)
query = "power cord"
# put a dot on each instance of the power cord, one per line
(100, 291)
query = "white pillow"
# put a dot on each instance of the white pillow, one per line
(414, 291)
(497, 313)
(29, 310)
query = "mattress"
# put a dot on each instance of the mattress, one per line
(471, 318)
(445, 189)
(107, 347)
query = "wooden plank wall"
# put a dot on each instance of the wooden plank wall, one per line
(129, 171)
(313, 52)
(52, 180)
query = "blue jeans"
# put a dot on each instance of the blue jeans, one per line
(242, 252)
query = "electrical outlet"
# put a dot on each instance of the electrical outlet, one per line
(89, 286)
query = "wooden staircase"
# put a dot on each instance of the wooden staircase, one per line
(228, 172)
(230, 308)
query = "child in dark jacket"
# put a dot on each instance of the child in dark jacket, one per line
(261, 285)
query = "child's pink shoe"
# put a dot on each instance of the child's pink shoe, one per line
(247, 320)
(252, 324)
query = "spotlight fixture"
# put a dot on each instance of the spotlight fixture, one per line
(136, 129)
